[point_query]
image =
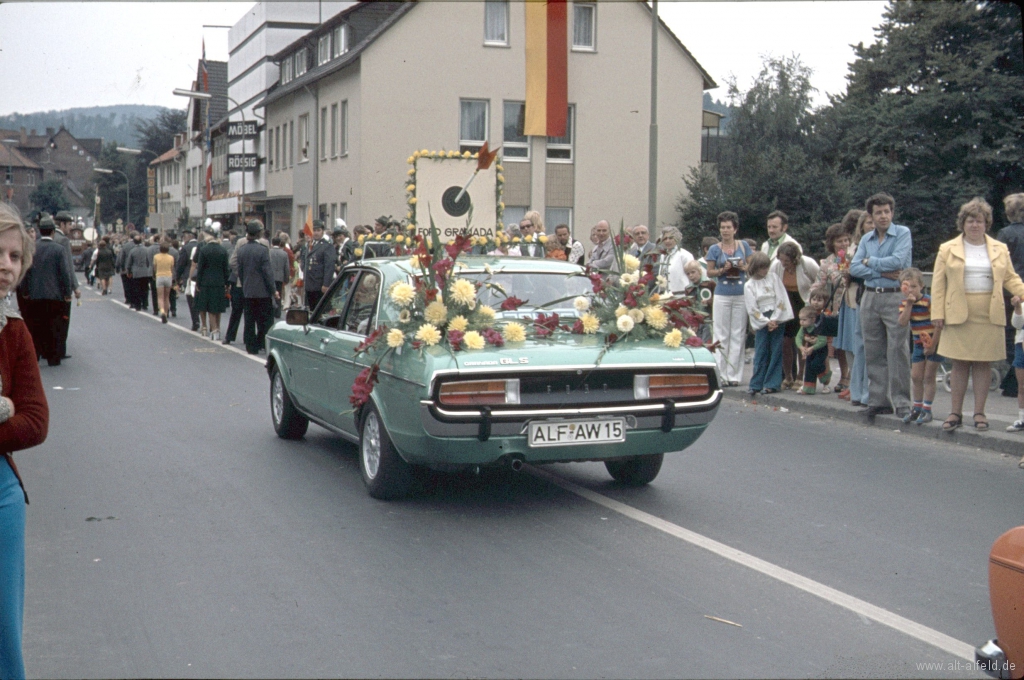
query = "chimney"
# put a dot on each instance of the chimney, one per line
(50, 131)
(23, 136)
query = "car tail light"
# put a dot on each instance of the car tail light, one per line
(479, 392)
(670, 385)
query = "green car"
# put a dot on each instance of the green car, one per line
(537, 401)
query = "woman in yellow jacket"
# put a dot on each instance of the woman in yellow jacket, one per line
(970, 274)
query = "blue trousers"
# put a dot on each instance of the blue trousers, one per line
(859, 370)
(767, 359)
(12, 573)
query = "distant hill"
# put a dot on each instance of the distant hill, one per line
(112, 123)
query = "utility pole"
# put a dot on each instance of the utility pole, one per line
(652, 171)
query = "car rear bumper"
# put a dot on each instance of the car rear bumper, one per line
(991, 659)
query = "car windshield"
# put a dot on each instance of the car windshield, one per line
(537, 289)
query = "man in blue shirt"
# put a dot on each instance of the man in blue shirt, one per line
(881, 255)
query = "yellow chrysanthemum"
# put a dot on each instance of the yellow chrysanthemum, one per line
(402, 294)
(673, 338)
(501, 177)
(436, 313)
(543, 238)
(362, 237)
(399, 239)
(501, 205)
(630, 262)
(412, 201)
(459, 323)
(414, 261)
(655, 297)
(473, 340)
(428, 334)
(621, 310)
(462, 292)
(590, 323)
(387, 237)
(497, 166)
(405, 316)
(358, 252)
(624, 323)
(396, 338)
(486, 313)
(411, 188)
(515, 239)
(467, 154)
(424, 152)
(636, 315)
(411, 171)
(410, 160)
(656, 317)
(408, 216)
(581, 304)
(514, 332)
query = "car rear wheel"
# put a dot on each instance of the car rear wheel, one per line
(637, 470)
(288, 422)
(384, 472)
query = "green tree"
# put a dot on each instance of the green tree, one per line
(50, 197)
(932, 113)
(771, 159)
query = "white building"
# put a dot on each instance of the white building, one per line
(168, 177)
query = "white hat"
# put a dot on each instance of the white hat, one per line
(340, 223)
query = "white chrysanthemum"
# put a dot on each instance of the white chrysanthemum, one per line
(581, 304)
(590, 323)
(428, 334)
(436, 313)
(636, 315)
(396, 338)
(514, 332)
(630, 262)
(661, 281)
(624, 323)
(473, 340)
(404, 316)
(402, 294)
(673, 338)
(462, 292)
(458, 323)
(628, 279)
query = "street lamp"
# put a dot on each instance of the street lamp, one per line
(127, 192)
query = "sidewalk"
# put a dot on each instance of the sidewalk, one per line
(1001, 411)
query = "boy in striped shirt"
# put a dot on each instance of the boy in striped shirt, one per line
(916, 310)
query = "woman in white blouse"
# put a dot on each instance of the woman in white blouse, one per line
(970, 274)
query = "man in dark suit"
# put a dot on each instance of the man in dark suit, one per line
(122, 256)
(140, 267)
(46, 289)
(319, 266)
(183, 273)
(64, 220)
(257, 282)
(279, 265)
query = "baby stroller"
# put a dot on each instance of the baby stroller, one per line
(999, 370)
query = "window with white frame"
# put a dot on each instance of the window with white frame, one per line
(301, 61)
(277, 148)
(291, 143)
(334, 130)
(286, 70)
(473, 124)
(334, 214)
(514, 214)
(304, 137)
(496, 22)
(560, 148)
(270, 148)
(516, 144)
(340, 42)
(344, 128)
(323, 133)
(323, 49)
(555, 216)
(343, 211)
(584, 26)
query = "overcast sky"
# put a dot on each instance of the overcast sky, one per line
(63, 55)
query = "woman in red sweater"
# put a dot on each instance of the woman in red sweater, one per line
(24, 418)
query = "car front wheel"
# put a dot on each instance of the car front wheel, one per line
(636, 470)
(288, 422)
(384, 472)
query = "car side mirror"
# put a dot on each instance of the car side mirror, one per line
(297, 317)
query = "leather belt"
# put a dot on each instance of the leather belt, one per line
(871, 289)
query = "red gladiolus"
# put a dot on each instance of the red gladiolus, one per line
(455, 339)
(430, 295)
(363, 386)
(545, 325)
(694, 341)
(443, 267)
(371, 339)
(577, 327)
(510, 304)
(494, 337)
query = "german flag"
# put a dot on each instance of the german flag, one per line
(547, 90)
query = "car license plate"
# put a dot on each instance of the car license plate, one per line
(576, 432)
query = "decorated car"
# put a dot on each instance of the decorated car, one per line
(450, 361)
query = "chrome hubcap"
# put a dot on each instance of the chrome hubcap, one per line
(371, 446)
(277, 399)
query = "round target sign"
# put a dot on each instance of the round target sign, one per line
(453, 207)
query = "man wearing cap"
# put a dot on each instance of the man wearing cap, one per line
(183, 273)
(46, 288)
(256, 278)
(319, 266)
(64, 220)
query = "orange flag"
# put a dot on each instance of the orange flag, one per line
(547, 90)
(307, 228)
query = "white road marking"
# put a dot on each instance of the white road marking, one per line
(856, 605)
(256, 358)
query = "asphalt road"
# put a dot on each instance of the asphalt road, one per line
(172, 534)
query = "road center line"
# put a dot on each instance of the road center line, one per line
(856, 605)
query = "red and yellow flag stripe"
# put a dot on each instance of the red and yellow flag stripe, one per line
(547, 89)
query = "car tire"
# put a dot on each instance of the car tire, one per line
(288, 422)
(636, 470)
(386, 475)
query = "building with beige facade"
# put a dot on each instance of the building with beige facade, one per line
(359, 94)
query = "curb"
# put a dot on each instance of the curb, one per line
(1000, 442)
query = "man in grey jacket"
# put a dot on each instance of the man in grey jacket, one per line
(122, 257)
(256, 279)
(279, 265)
(64, 220)
(140, 268)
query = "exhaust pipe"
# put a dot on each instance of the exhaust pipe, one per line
(516, 464)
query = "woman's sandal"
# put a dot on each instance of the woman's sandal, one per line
(980, 425)
(954, 421)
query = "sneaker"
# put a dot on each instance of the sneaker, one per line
(912, 416)
(825, 389)
(1018, 426)
(925, 417)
